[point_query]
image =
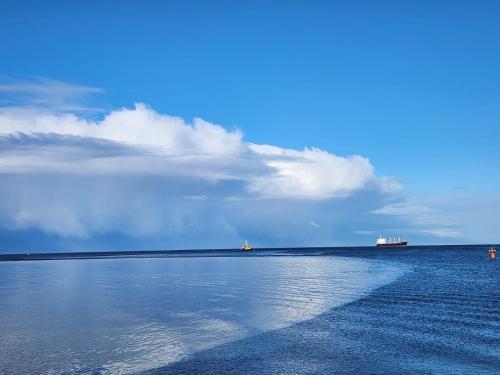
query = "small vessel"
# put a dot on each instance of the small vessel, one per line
(391, 242)
(246, 246)
(493, 253)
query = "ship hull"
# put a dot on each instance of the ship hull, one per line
(396, 244)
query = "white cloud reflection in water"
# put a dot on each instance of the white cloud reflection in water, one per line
(126, 315)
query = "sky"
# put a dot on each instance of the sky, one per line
(182, 124)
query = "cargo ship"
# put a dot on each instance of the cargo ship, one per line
(391, 242)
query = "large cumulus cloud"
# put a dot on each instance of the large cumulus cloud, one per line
(143, 174)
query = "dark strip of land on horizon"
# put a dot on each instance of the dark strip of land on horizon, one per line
(147, 253)
(341, 250)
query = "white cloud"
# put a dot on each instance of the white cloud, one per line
(470, 218)
(364, 232)
(401, 209)
(442, 232)
(43, 94)
(140, 126)
(389, 184)
(143, 173)
(312, 173)
(314, 224)
(168, 145)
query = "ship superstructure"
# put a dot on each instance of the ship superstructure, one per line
(390, 242)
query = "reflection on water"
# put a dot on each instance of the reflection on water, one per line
(125, 315)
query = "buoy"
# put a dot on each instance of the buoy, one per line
(493, 253)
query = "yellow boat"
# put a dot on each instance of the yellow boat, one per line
(246, 246)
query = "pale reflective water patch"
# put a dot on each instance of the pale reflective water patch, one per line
(125, 315)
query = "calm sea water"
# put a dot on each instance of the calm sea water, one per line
(418, 310)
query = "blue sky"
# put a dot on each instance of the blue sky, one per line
(413, 87)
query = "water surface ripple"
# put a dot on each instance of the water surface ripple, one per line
(117, 316)
(441, 317)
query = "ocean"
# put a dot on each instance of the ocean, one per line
(324, 310)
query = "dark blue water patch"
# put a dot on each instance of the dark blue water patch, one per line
(443, 317)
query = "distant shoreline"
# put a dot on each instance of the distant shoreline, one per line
(152, 253)
(342, 250)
